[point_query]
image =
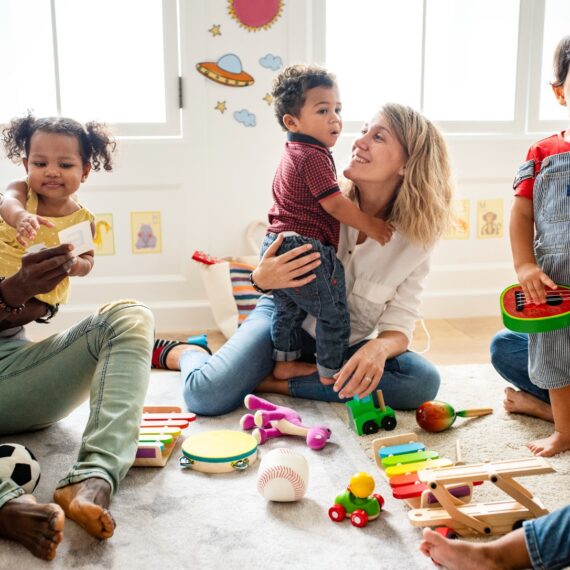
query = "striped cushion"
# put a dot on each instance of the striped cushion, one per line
(245, 295)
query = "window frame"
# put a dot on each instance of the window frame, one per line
(526, 118)
(172, 126)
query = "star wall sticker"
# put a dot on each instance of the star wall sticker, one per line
(268, 98)
(215, 30)
(221, 107)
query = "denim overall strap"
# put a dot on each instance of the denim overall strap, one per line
(549, 353)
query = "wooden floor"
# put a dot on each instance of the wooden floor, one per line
(453, 341)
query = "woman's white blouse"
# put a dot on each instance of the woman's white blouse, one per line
(383, 284)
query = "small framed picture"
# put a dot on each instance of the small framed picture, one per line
(146, 232)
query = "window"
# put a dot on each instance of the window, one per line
(471, 66)
(114, 62)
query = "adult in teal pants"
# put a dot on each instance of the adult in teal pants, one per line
(106, 358)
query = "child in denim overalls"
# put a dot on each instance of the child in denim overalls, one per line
(308, 208)
(540, 240)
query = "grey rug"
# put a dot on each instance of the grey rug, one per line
(173, 518)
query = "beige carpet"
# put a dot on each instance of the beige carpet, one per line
(170, 518)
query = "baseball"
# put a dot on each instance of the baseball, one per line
(283, 475)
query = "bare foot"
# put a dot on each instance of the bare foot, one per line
(518, 402)
(326, 381)
(86, 503)
(173, 357)
(458, 554)
(38, 527)
(287, 370)
(549, 446)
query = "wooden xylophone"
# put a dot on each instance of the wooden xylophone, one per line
(160, 428)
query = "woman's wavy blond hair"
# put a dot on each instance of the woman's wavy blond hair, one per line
(421, 208)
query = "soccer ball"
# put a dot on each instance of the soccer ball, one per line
(18, 463)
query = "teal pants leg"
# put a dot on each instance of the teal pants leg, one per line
(106, 358)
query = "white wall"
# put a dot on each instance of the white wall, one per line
(211, 183)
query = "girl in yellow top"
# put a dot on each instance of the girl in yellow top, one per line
(58, 155)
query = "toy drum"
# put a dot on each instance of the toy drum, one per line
(219, 451)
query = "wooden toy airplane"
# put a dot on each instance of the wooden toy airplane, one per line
(497, 517)
(160, 428)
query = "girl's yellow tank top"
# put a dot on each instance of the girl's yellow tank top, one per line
(11, 251)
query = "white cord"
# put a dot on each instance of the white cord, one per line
(428, 341)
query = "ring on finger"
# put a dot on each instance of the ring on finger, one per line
(367, 379)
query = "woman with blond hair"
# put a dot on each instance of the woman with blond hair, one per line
(399, 172)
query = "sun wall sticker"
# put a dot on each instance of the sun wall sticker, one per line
(255, 15)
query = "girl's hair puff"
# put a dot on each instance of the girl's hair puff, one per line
(561, 61)
(96, 144)
(421, 208)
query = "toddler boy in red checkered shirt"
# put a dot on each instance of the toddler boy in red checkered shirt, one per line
(308, 208)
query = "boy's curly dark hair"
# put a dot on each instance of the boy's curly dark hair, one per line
(561, 61)
(291, 85)
(95, 142)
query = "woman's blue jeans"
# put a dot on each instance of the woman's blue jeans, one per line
(217, 384)
(547, 540)
(509, 356)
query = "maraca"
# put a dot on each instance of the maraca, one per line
(437, 416)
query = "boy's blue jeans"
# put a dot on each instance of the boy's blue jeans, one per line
(324, 298)
(547, 540)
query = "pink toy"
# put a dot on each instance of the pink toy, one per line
(272, 421)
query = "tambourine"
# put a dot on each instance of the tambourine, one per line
(219, 451)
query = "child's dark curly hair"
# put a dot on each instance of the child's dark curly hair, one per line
(291, 85)
(95, 143)
(561, 61)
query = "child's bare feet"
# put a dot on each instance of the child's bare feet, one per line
(38, 527)
(86, 503)
(549, 446)
(518, 402)
(293, 369)
(327, 381)
(457, 554)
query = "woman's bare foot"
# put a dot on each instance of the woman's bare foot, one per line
(456, 554)
(293, 369)
(86, 503)
(38, 527)
(518, 402)
(549, 446)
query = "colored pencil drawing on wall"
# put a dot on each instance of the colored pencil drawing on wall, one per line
(104, 238)
(459, 228)
(490, 219)
(146, 232)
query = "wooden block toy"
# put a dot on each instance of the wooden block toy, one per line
(160, 428)
(413, 467)
(405, 458)
(496, 517)
(220, 451)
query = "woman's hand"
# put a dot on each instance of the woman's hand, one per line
(361, 373)
(40, 273)
(289, 269)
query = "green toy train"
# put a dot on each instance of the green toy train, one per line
(369, 414)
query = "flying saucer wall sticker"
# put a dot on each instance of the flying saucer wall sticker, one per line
(227, 71)
(255, 15)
